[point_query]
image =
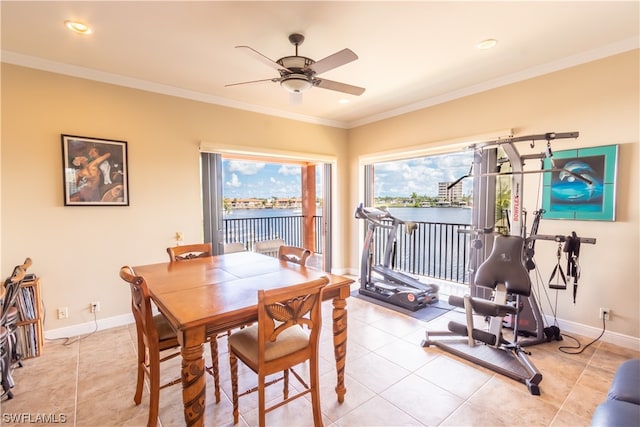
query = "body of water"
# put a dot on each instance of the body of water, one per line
(439, 215)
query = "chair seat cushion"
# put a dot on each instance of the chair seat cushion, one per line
(163, 327)
(245, 343)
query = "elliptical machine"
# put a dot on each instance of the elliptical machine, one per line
(381, 281)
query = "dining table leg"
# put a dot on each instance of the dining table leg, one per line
(340, 343)
(193, 385)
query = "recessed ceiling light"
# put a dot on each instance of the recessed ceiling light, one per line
(487, 44)
(78, 27)
(343, 101)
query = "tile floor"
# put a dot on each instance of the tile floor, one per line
(391, 381)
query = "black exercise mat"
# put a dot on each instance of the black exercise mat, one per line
(430, 312)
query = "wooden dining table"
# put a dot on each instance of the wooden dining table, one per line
(206, 296)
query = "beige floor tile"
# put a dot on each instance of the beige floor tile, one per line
(422, 399)
(453, 376)
(398, 324)
(469, 415)
(567, 419)
(391, 380)
(375, 372)
(369, 336)
(377, 412)
(409, 355)
(525, 408)
(355, 396)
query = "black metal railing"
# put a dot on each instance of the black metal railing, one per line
(435, 250)
(250, 230)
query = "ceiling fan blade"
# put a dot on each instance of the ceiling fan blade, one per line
(333, 61)
(337, 86)
(252, 81)
(260, 57)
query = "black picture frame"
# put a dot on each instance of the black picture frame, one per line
(95, 171)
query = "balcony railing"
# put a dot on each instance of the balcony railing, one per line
(435, 250)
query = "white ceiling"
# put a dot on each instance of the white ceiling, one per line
(411, 54)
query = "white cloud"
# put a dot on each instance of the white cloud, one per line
(235, 182)
(246, 168)
(287, 170)
(421, 175)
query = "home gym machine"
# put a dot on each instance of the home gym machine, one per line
(499, 284)
(382, 281)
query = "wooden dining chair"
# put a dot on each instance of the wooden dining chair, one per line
(268, 247)
(234, 247)
(186, 253)
(294, 254)
(287, 334)
(155, 335)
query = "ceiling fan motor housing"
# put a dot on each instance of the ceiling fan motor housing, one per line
(296, 63)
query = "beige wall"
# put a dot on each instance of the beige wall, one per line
(601, 101)
(77, 250)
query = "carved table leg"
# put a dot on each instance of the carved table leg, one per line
(193, 385)
(340, 343)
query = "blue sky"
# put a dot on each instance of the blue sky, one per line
(243, 179)
(421, 175)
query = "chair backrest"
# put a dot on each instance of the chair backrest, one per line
(234, 247)
(268, 247)
(505, 264)
(291, 306)
(185, 252)
(140, 306)
(12, 288)
(294, 254)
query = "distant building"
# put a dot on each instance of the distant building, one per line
(449, 196)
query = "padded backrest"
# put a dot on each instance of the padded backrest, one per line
(185, 252)
(505, 264)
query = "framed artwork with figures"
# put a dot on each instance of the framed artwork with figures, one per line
(95, 171)
(583, 184)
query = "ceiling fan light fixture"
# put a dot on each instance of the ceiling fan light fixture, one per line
(296, 83)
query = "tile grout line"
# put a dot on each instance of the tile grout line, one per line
(75, 397)
(586, 366)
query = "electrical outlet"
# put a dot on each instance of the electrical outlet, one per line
(63, 313)
(179, 236)
(605, 313)
(94, 307)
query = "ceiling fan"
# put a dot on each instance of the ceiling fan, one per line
(299, 73)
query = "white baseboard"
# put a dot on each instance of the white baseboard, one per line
(564, 325)
(89, 327)
(591, 332)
